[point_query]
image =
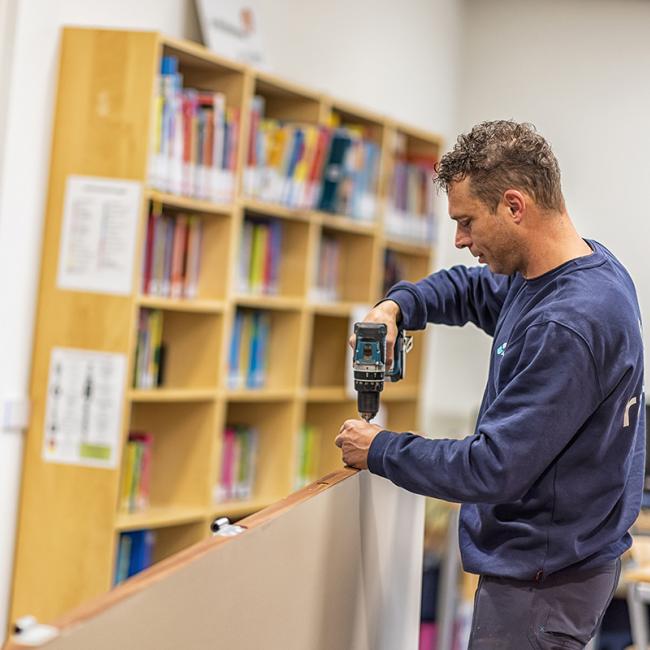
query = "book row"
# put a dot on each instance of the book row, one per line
(136, 473)
(326, 285)
(307, 456)
(150, 351)
(333, 169)
(395, 270)
(238, 463)
(172, 255)
(134, 553)
(249, 349)
(260, 255)
(194, 138)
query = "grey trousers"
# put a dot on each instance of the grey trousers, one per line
(561, 612)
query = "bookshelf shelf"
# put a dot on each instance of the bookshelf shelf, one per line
(333, 394)
(260, 301)
(397, 392)
(260, 395)
(190, 409)
(183, 305)
(344, 223)
(198, 56)
(172, 395)
(158, 518)
(266, 209)
(331, 308)
(188, 203)
(408, 248)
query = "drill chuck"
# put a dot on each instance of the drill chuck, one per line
(368, 405)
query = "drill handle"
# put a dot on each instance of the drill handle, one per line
(403, 344)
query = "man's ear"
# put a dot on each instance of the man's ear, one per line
(515, 202)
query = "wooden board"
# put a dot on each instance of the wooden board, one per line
(335, 566)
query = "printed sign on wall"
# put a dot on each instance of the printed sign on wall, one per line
(83, 413)
(100, 223)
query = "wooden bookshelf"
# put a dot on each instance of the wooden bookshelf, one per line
(71, 516)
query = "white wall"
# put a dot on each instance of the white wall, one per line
(578, 70)
(403, 60)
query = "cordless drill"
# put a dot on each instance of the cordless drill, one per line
(369, 364)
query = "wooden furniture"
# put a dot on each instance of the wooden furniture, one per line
(69, 521)
(335, 565)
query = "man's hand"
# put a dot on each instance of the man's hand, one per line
(354, 440)
(387, 312)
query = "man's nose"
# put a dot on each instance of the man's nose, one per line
(462, 240)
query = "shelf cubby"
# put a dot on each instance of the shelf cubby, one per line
(351, 280)
(192, 350)
(290, 253)
(328, 360)
(182, 451)
(275, 423)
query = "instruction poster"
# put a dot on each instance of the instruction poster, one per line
(98, 237)
(83, 413)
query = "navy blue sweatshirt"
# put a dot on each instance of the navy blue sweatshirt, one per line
(553, 475)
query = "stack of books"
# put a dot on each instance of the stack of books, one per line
(249, 348)
(259, 257)
(134, 553)
(410, 212)
(333, 169)
(326, 285)
(238, 463)
(307, 456)
(394, 271)
(195, 137)
(172, 255)
(136, 474)
(150, 351)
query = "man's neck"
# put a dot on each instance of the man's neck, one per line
(552, 246)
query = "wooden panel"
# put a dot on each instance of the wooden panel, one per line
(103, 109)
(338, 565)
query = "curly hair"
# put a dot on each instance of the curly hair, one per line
(499, 155)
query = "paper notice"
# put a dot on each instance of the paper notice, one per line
(83, 413)
(98, 236)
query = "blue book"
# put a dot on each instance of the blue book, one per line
(251, 371)
(235, 345)
(333, 172)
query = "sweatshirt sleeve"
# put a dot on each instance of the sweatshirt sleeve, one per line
(553, 391)
(453, 297)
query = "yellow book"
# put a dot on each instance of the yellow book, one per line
(127, 476)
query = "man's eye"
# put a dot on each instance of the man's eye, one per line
(464, 223)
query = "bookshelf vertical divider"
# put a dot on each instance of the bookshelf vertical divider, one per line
(70, 517)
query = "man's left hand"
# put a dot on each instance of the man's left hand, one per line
(354, 440)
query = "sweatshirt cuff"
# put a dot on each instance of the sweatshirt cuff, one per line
(413, 312)
(376, 452)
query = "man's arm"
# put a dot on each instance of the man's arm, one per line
(452, 297)
(535, 416)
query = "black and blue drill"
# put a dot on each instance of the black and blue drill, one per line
(369, 364)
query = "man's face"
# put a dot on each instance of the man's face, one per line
(490, 236)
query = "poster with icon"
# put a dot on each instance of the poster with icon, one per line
(231, 29)
(83, 412)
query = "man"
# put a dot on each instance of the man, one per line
(551, 480)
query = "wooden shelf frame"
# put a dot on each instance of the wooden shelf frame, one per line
(78, 506)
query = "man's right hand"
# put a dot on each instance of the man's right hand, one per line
(387, 312)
